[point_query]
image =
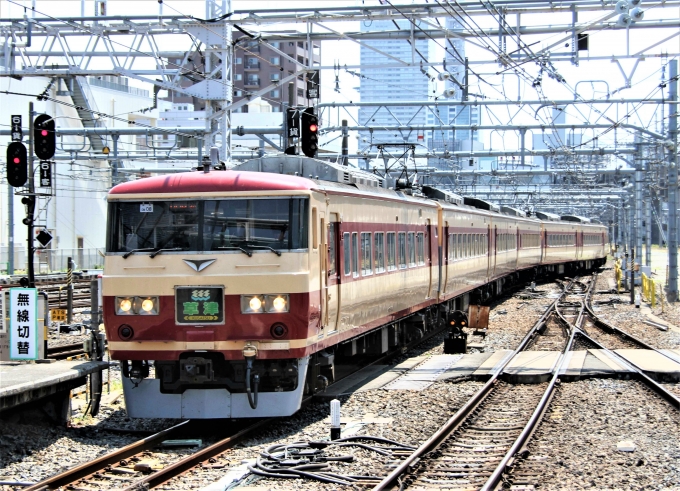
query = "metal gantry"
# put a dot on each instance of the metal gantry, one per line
(582, 177)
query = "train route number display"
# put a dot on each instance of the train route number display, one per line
(199, 305)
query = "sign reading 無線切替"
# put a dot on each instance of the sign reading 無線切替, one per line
(23, 324)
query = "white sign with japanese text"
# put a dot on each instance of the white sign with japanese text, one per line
(23, 324)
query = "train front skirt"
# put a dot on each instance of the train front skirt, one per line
(145, 400)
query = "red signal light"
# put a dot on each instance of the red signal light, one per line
(314, 128)
(43, 132)
(17, 160)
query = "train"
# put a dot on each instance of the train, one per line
(233, 293)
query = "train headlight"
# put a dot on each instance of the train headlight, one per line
(277, 303)
(124, 305)
(149, 306)
(137, 306)
(259, 304)
(252, 304)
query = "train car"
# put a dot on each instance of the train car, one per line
(230, 294)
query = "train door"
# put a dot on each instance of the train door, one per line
(517, 244)
(541, 241)
(428, 258)
(495, 250)
(333, 274)
(489, 251)
(445, 257)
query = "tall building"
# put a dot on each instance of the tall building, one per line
(391, 84)
(255, 66)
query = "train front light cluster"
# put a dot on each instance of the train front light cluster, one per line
(265, 304)
(137, 306)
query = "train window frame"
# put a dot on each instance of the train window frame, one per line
(355, 254)
(315, 229)
(391, 251)
(401, 250)
(411, 238)
(332, 248)
(420, 248)
(379, 252)
(347, 253)
(366, 253)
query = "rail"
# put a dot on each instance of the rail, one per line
(471, 405)
(82, 470)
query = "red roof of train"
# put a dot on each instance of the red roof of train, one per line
(214, 181)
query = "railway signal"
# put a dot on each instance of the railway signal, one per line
(309, 132)
(17, 164)
(44, 136)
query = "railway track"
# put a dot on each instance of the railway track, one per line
(65, 351)
(128, 468)
(125, 468)
(474, 450)
(475, 446)
(527, 471)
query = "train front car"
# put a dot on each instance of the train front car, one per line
(206, 290)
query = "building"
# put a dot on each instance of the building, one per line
(255, 66)
(388, 83)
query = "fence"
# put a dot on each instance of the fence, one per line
(53, 260)
(49, 260)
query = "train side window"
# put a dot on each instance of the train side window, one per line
(346, 252)
(379, 253)
(402, 249)
(355, 254)
(449, 240)
(331, 249)
(366, 259)
(411, 248)
(315, 229)
(391, 251)
(420, 241)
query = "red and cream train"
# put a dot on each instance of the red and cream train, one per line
(229, 294)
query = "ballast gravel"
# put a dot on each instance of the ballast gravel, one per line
(577, 442)
(578, 437)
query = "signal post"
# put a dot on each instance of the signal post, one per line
(20, 173)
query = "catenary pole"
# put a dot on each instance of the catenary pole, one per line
(673, 184)
(30, 205)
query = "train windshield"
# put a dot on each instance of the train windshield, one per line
(209, 225)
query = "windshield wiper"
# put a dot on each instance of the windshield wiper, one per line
(129, 253)
(158, 251)
(232, 248)
(278, 253)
